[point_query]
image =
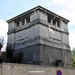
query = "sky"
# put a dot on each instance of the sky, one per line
(11, 8)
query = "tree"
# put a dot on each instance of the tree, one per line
(12, 55)
(9, 52)
(73, 57)
(18, 57)
(1, 45)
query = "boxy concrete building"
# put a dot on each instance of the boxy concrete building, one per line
(42, 36)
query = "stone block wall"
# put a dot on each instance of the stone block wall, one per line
(23, 69)
(0, 69)
(45, 55)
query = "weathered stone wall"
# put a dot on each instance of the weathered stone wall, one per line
(45, 54)
(0, 69)
(23, 69)
(39, 30)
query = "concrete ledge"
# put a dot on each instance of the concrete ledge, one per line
(24, 69)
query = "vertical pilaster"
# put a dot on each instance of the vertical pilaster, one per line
(25, 21)
(20, 23)
(56, 24)
(51, 21)
(61, 25)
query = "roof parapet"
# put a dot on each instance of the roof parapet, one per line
(37, 8)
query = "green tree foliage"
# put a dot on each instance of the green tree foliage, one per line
(9, 52)
(18, 57)
(1, 45)
(73, 57)
(12, 56)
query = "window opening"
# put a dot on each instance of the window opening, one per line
(17, 23)
(54, 21)
(28, 19)
(23, 22)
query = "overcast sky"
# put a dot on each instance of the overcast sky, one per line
(64, 8)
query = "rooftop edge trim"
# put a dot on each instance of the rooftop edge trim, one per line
(33, 9)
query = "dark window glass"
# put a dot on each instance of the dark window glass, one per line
(28, 19)
(58, 23)
(49, 19)
(54, 21)
(17, 23)
(23, 22)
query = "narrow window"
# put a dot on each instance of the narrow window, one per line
(28, 19)
(23, 22)
(54, 21)
(17, 23)
(58, 24)
(49, 19)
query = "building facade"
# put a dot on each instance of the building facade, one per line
(41, 35)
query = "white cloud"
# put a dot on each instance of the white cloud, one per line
(72, 39)
(60, 2)
(71, 17)
(63, 13)
(3, 28)
(66, 8)
(3, 31)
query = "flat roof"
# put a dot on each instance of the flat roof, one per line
(36, 8)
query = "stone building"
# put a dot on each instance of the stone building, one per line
(41, 35)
